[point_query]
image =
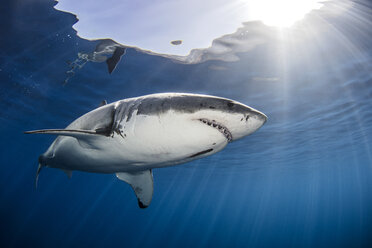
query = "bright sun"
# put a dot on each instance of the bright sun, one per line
(280, 13)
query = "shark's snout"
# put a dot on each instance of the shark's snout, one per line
(247, 121)
(257, 119)
(262, 117)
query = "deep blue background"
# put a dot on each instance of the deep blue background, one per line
(303, 180)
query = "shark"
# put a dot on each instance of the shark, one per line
(131, 137)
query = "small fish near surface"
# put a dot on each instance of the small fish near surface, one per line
(131, 137)
(176, 42)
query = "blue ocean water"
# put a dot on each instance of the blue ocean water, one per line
(302, 180)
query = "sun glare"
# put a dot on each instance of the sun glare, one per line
(281, 13)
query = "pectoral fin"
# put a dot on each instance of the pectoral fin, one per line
(86, 138)
(76, 133)
(64, 132)
(142, 184)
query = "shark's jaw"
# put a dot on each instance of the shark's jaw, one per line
(221, 128)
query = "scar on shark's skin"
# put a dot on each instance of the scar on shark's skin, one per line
(131, 137)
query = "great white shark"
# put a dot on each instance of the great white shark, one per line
(131, 137)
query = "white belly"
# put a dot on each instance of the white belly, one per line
(148, 142)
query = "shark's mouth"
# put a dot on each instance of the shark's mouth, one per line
(221, 128)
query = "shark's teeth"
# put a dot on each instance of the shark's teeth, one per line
(221, 128)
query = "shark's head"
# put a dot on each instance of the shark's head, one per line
(232, 119)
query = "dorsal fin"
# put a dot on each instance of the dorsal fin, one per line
(115, 58)
(103, 103)
(142, 184)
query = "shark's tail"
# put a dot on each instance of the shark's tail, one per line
(37, 174)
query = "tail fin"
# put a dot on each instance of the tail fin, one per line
(37, 174)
